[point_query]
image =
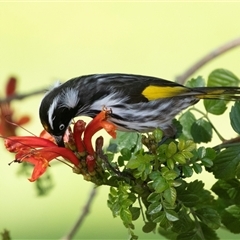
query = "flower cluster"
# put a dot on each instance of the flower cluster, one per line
(78, 149)
(8, 122)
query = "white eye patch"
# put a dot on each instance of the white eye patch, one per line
(67, 99)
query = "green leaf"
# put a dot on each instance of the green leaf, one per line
(170, 175)
(154, 197)
(126, 215)
(206, 155)
(154, 207)
(132, 235)
(171, 215)
(170, 195)
(201, 152)
(121, 161)
(126, 153)
(130, 140)
(222, 77)
(113, 191)
(197, 168)
(234, 117)
(158, 134)
(149, 227)
(178, 157)
(139, 160)
(231, 218)
(158, 217)
(165, 223)
(195, 187)
(203, 232)
(125, 203)
(201, 131)
(214, 106)
(170, 163)
(189, 146)
(189, 200)
(135, 211)
(196, 82)
(160, 184)
(210, 217)
(226, 162)
(181, 145)
(228, 190)
(210, 153)
(186, 120)
(187, 171)
(207, 162)
(184, 224)
(171, 149)
(115, 207)
(209, 234)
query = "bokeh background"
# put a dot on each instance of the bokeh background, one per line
(41, 42)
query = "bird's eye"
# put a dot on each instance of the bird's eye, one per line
(61, 127)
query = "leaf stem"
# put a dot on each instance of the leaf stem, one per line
(214, 128)
(141, 209)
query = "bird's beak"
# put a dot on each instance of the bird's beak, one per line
(59, 141)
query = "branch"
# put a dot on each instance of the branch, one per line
(21, 96)
(82, 216)
(228, 143)
(207, 58)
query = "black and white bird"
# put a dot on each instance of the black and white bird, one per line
(137, 103)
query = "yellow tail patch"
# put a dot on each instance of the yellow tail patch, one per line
(156, 92)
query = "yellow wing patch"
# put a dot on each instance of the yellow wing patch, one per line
(156, 92)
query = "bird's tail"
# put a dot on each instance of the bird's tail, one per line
(224, 93)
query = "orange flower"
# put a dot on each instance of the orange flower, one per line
(98, 123)
(39, 151)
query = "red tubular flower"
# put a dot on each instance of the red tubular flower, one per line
(99, 122)
(8, 128)
(39, 152)
(78, 130)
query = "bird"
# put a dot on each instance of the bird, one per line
(137, 102)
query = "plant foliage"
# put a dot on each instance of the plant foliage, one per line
(155, 180)
(150, 176)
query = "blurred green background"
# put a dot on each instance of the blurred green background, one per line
(41, 42)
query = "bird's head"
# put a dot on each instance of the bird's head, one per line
(57, 109)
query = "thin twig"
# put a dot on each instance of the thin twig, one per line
(207, 58)
(82, 216)
(21, 96)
